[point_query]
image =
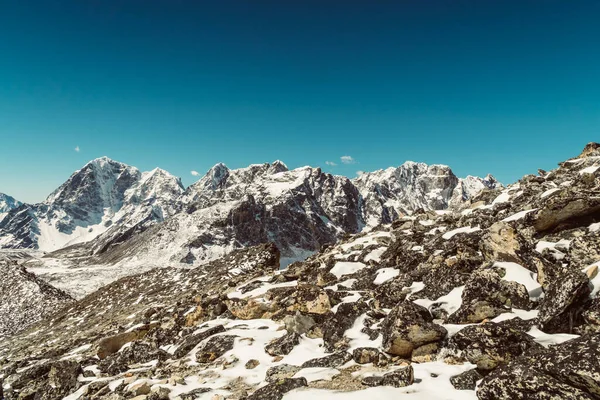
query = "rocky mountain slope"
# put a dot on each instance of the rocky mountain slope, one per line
(498, 300)
(24, 298)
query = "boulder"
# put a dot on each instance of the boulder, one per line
(562, 306)
(140, 388)
(502, 243)
(191, 341)
(567, 212)
(276, 390)
(487, 295)
(335, 326)
(584, 250)
(522, 382)
(332, 361)
(466, 380)
(283, 345)
(407, 327)
(590, 149)
(591, 315)
(489, 345)
(63, 374)
(137, 352)
(399, 378)
(298, 323)
(570, 370)
(214, 348)
(309, 299)
(392, 292)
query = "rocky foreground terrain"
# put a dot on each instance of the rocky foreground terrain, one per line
(497, 300)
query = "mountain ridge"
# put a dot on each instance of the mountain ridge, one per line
(106, 203)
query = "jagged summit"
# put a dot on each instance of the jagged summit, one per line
(591, 149)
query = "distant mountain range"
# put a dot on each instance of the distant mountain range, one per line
(110, 212)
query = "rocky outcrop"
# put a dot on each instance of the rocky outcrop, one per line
(568, 371)
(486, 295)
(489, 345)
(408, 327)
(562, 307)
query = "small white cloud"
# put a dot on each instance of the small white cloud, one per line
(347, 160)
(330, 163)
(195, 173)
(360, 173)
(77, 149)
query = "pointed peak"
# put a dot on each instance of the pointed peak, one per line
(160, 171)
(219, 166)
(590, 149)
(103, 162)
(491, 181)
(278, 166)
(215, 177)
(217, 170)
(7, 203)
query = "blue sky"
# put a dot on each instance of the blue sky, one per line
(496, 86)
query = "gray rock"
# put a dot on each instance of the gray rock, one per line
(489, 345)
(281, 371)
(283, 345)
(335, 326)
(191, 341)
(562, 306)
(298, 323)
(399, 378)
(63, 375)
(136, 353)
(333, 361)
(214, 348)
(487, 295)
(466, 380)
(276, 390)
(407, 327)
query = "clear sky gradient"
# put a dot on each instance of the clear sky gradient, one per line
(496, 86)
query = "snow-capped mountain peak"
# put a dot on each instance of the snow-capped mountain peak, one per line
(103, 196)
(8, 203)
